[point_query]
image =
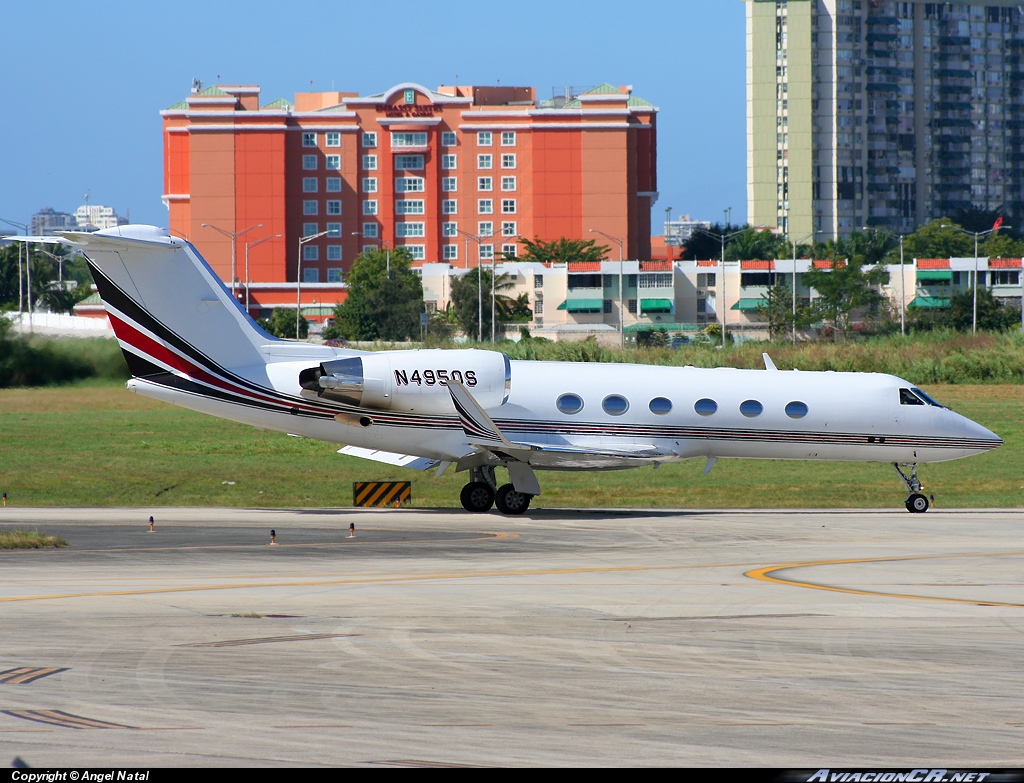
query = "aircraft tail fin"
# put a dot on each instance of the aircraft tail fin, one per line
(167, 306)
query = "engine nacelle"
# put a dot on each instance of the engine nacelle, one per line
(411, 381)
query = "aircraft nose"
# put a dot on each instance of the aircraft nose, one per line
(975, 431)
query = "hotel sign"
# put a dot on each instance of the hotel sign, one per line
(405, 110)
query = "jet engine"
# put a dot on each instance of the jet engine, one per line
(411, 381)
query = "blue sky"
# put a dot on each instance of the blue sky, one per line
(83, 83)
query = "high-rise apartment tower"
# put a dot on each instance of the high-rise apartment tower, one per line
(883, 114)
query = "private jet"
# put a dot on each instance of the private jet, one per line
(188, 342)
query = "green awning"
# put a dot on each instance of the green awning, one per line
(655, 305)
(747, 305)
(935, 276)
(673, 327)
(582, 305)
(935, 302)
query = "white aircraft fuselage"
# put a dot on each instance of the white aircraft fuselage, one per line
(189, 343)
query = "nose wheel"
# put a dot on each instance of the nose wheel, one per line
(916, 502)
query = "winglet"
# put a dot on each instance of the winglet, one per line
(474, 419)
(768, 363)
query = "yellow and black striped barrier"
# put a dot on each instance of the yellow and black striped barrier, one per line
(381, 493)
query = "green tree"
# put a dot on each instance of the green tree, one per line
(844, 289)
(282, 323)
(992, 315)
(754, 244)
(471, 293)
(776, 309)
(934, 241)
(381, 304)
(560, 251)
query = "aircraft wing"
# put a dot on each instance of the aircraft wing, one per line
(484, 435)
(391, 458)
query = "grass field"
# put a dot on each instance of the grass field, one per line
(96, 444)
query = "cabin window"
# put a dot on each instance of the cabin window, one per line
(660, 406)
(705, 407)
(751, 408)
(569, 403)
(796, 410)
(615, 405)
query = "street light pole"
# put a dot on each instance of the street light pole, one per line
(801, 239)
(622, 320)
(479, 283)
(28, 266)
(247, 246)
(976, 235)
(233, 236)
(723, 238)
(298, 279)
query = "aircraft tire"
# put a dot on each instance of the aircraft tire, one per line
(477, 496)
(511, 502)
(917, 503)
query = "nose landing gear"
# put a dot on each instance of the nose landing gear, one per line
(916, 502)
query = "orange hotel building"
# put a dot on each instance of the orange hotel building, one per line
(409, 167)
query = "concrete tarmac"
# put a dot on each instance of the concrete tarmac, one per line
(787, 639)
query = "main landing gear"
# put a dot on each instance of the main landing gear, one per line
(916, 503)
(482, 492)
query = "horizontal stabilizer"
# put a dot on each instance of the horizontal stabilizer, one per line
(390, 458)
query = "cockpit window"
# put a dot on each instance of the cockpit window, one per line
(907, 397)
(926, 398)
(915, 396)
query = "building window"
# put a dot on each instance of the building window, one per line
(412, 162)
(449, 229)
(369, 232)
(449, 161)
(510, 251)
(308, 229)
(418, 252)
(334, 184)
(409, 207)
(484, 161)
(702, 305)
(334, 274)
(309, 162)
(450, 184)
(333, 254)
(334, 162)
(508, 183)
(508, 229)
(483, 139)
(310, 253)
(486, 252)
(451, 252)
(309, 207)
(410, 229)
(508, 206)
(538, 281)
(309, 185)
(484, 184)
(448, 139)
(538, 307)
(369, 139)
(408, 139)
(508, 161)
(370, 162)
(450, 206)
(333, 139)
(334, 207)
(664, 280)
(311, 275)
(308, 139)
(409, 185)
(631, 306)
(485, 206)
(370, 206)
(485, 228)
(334, 229)
(369, 184)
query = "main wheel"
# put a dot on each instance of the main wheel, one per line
(917, 503)
(509, 501)
(477, 496)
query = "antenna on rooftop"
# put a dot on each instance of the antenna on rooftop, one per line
(197, 85)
